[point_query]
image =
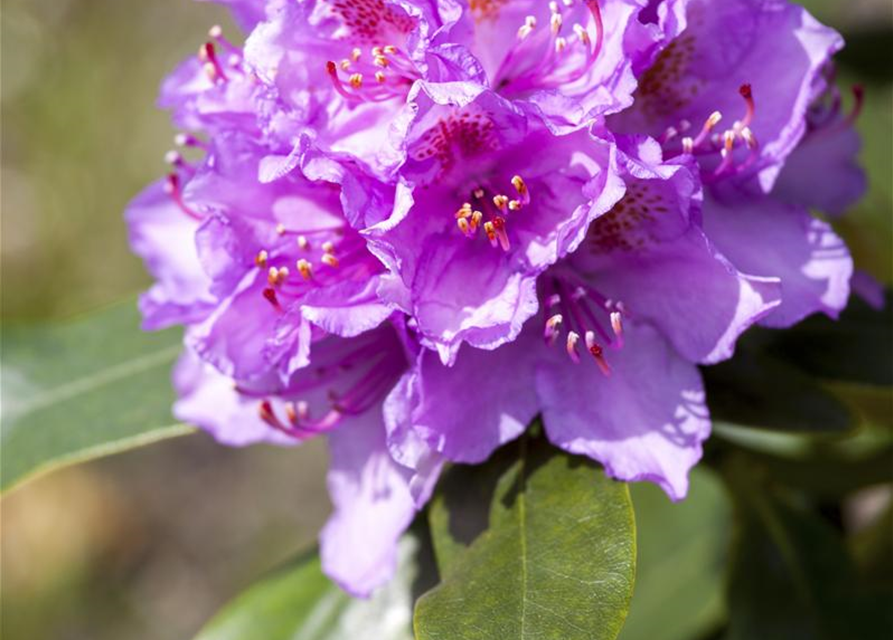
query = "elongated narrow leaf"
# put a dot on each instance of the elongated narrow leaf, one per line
(755, 390)
(300, 603)
(556, 560)
(681, 563)
(83, 389)
(791, 576)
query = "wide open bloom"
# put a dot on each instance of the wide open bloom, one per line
(612, 355)
(488, 199)
(255, 271)
(743, 104)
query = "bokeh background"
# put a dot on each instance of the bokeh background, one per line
(147, 545)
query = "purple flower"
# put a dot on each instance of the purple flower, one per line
(488, 198)
(256, 271)
(572, 60)
(418, 224)
(613, 354)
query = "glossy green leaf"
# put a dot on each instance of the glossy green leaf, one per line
(79, 390)
(855, 348)
(758, 391)
(681, 560)
(556, 560)
(300, 603)
(790, 575)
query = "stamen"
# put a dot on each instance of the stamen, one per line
(571, 346)
(617, 327)
(527, 28)
(172, 188)
(208, 55)
(521, 187)
(276, 277)
(597, 352)
(261, 259)
(303, 243)
(280, 229)
(552, 329)
(330, 260)
(305, 268)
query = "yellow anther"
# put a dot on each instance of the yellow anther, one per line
(355, 54)
(280, 229)
(501, 201)
(379, 77)
(476, 218)
(328, 246)
(390, 49)
(582, 34)
(514, 205)
(490, 230)
(305, 268)
(560, 45)
(356, 80)
(463, 225)
(464, 211)
(376, 51)
(519, 185)
(380, 61)
(276, 276)
(261, 259)
(330, 260)
(303, 243)
(345, 64)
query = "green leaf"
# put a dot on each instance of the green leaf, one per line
(300, 603)
(758, 391)
(681, 561)
(856, 348)
(557, 559)
(76, 391)
(790, 575)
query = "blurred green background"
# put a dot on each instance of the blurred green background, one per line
(148, 544)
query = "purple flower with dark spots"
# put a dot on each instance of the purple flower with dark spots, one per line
(412, 226)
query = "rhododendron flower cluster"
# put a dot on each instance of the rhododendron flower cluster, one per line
(413, 226)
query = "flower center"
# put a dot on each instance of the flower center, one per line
(470, 218)
(378, 75)
(365, 372)
(582, 313)
(544, 58)
(708, 141)
(326, 257)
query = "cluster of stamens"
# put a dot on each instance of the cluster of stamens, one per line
(181, 168)
(709, 140)
(584, 312)
(210, 59)
(382, 364)
(278, 276)
(378, 75)
(470, 218)
(826, 113)
(550, 69)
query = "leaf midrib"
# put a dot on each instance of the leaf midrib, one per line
(96, 380)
